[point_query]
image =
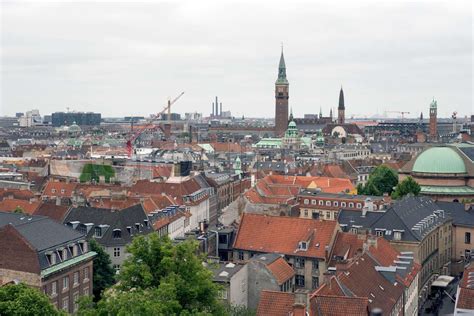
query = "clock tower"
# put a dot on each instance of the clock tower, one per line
(281, 98)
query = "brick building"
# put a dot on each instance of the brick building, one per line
(44, 254)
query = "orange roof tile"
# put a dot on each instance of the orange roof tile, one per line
(466, 294)
(9, 205)
(59, 189)
(279, 234)
(274, 303)
(323, 305)
(281, 270)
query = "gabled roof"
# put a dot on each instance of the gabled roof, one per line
(274, 303)
(324, 305)
(53, 211)
(279, 234)
(465, 299)
(9, 205)
(59, 189)
(281, 270)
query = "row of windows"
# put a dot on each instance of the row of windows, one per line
(62, 253)
(65, 302)
(65, 282)
(333, 203)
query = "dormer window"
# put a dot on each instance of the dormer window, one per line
(303, 245)
(321, 202)
(117, 234)
(306, 201)
(51, 258)
(328, 203)
(343, 204)
(137, 226)
(351, 205)
(129, 230)
(53, 191)
(145, 221)
(62, 191)
(98, 232)
(74, 250)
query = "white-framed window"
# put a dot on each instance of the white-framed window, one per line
(116, 268)
(397, 235)
(76, 278)
(354, 230)
(223, 294)
(314, 202)
(53, 191)
(379, 233)
(305, 213)
(86, 273)
(75, 298)
(343, 204)
(328, 203)
(299, 262)
(54, 288)
(63, 191)
(351, 204)
(335, 203)
(64, 254)
(241, 255)
(359, 205)
(65, 282)
(116, 251)
(86, 291)
(306, 201)
(321, 202)
(65, 304)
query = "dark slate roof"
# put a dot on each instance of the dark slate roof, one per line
(457, 212)
(112, 219)
(42, 233)
(405, 215)
(468, 151)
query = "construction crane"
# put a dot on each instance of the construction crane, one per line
(150, 125)
(399, 112)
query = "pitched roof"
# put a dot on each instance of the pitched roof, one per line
(60, 189)
(279, 234)
(9, 205)
(324, 305)
(465, 299)
(53, 211)
(17, 194)
(274, 303)
(281, 270)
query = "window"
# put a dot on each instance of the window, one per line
(74, 250)
(65, 283)
(305, 213)
(241, 255)
(321, 202)
(467, 238)
(76, 278)
(75, 298)
(116, 268)
(64, 254)
(222, 238)
(359, 205)
(66, 303)
(306, 201)
(86, 291)
(397, 235)
(299, 263)
(351, 205)
(223, 294)
(328, 203)
(117, 252)
(303, 245)
(379, 233)
(354, 230)
(335, 203)
(52, 258)
(117, 234)
(343, 204)
(315, 265)
(86, 273)
(97, 232)
(62, 191)
(299, 280)
(54, 288)
(315, 215)
(53, 191)
(314, 202)
(315, 282)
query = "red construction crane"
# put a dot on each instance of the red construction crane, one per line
(150, 125)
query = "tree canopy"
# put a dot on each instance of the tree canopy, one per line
(20, 299)
(104, 273)
(407, 186)
(381, 180)
(93, 172)
(160, 278)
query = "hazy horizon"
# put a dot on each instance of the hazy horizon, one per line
(123, 59)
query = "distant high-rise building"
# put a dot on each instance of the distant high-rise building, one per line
(79, 118)
(433, 120)
(281, 98)
(341, 108)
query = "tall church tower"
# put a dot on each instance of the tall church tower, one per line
(281, 98)
(433, 120)
(341, 108)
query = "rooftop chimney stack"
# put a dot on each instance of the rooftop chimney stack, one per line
(220, 113)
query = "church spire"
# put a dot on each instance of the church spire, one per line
(282, 70)
(341, 100)
(291, 114)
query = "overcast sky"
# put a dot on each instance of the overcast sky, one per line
(127, 58)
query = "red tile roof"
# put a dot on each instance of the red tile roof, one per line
(53, 211)
(16, 194)
(324, 305)
(9, 205)
(59, 189)
(278, 189)
(465, 298)
(347, 245)
(281, 270)
(278, 234)
(274, 303)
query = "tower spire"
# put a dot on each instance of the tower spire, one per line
(291, 114)
(282, 69)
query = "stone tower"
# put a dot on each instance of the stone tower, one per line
(281, 98)
(433, 120)
(341, 108)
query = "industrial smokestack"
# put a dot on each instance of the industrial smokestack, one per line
(217, 107)
(220, 114)
(212, 108)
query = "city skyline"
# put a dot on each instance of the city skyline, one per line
(109, 61)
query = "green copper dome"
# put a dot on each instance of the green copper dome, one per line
(439, 160)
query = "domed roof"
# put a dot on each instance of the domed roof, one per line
(74, 128)
(292, 124)
(439, 160)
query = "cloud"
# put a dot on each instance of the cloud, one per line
(123, 58)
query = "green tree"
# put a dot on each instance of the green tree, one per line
(160, 278)
(104, 273)
(19, 210)
(93, 172)
(19, 299)
(381, 180)
(407, 186)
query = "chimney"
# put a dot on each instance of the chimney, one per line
(220, 114)
(217, 107)
(301, 299)
(212, 108)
